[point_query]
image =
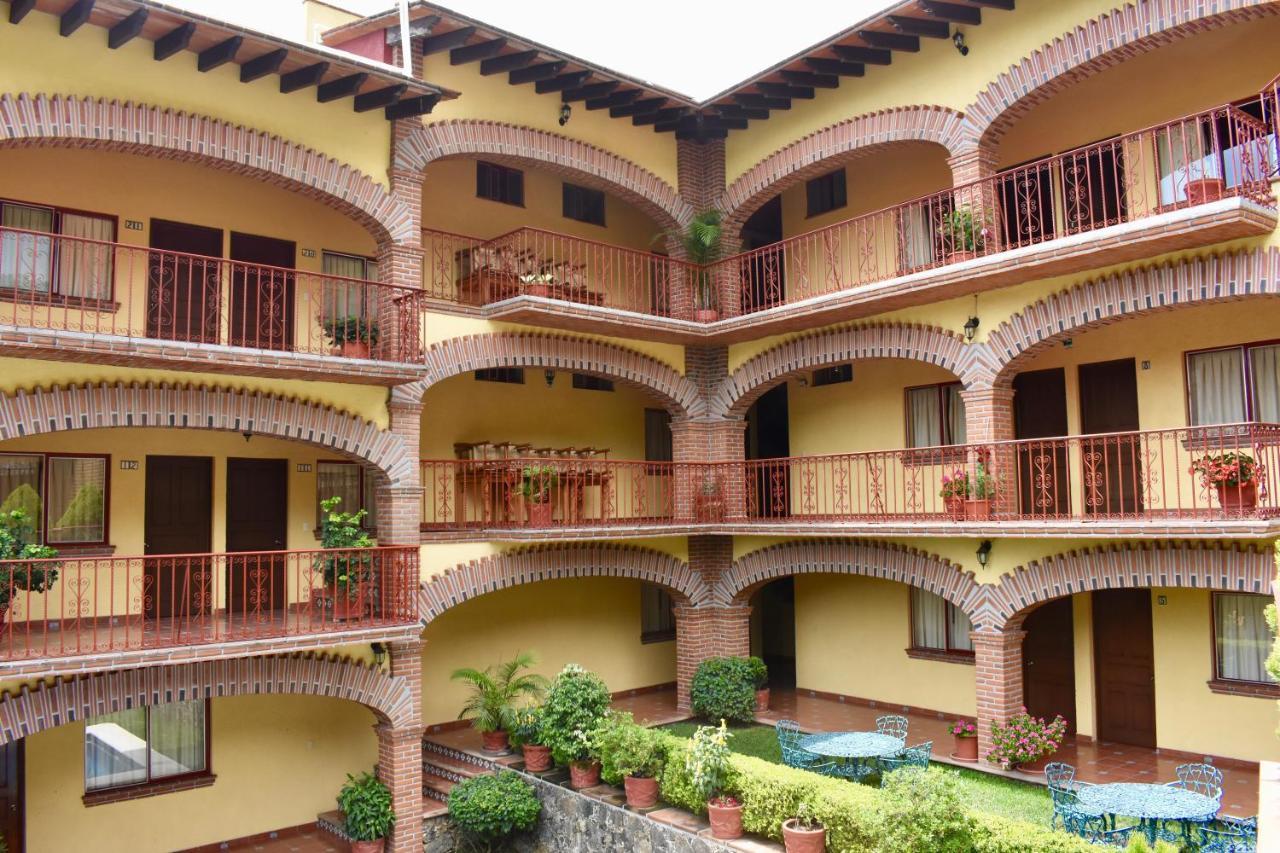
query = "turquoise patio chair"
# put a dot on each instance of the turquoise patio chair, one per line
(913, 756)
(1202, 778)
(789, 734)
(893, 725)
(1095, 829)
(1227, 834)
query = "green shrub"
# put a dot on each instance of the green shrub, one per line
(759, 672)
(489, 809)
(925, 814)
(628, 749)
(575, 705)
(724, 689)
(366, 805)
(526, 726)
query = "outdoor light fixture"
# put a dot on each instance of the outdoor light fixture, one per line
(379, 653)
(247, 435)
(550, 376)
(970, 328)
(984, 552)
(565, 111)
(958, 41)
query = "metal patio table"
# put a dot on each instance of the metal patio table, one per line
(852, 748)
(1150, 804)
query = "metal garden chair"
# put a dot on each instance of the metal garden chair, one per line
(1061, 778)
(789, 742)
(1094, 829)
(1202, 778)
(1227, 835)
(893, 725)
(913, 756)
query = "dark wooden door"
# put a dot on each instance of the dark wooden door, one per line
(12, 804)
(262, 284)
(257, 521)
(766, 284)
(1093, 187)
(1124, 664)
(1026, 206)
(1049, 662)
(184, 296)
(768, 437)
(1112, 463)
(178, 519)
(1040, 411)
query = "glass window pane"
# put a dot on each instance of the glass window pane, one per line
(341, 480)
(1264, 372)
(84, 265)
(26, 259)
(960, 627)
(370, 499)
(928, 620)
(1215, 381)
(1242, 638)
(77, 500)
(20, 484)
(955, 414)
(115, 750)
(177, 739)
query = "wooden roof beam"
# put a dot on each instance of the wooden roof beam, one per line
(922, 27)
(261, 66)
(173, 41)
(343, 87)
(750, 99)
(591, 90)
(541, 71)
(445, 41)
(1006, 5)
(890, 41)
(572, 80)
(626, 96)
(952, 12)
(645, 105)
(867, 55)
(809, 78)
(220, 54)
(126, 30)
(480, 50)
(75, 17)
(839, 67)
(786, 90)
(18, 9)
(379, 98)
(737, 111)
(664, 115)
(301, 78)
(507, 62)
(411, 107)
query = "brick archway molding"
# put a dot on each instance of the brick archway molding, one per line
(796, 356)
(456, 356)
(530, 565)
(1208, 280)
(58, 408)
(581, 161)
(71, 698)
(82, 122)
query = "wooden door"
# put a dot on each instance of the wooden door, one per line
(1049, 662)
(12, 803)
(768, 436)
(178, 519)
(1093, 188)
(1124, 666)
(257, 521)
(766, 284)
(1112, 463)
(184, 296)
(1026, 206)
(1040, 411)
(262, 296)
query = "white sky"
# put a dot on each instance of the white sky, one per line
(661, 41)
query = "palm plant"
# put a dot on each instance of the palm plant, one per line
(700, 240)
(496, 689)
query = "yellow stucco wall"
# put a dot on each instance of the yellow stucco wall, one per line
(311, 743)
(437, 557)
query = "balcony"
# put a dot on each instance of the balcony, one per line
(1196, 181)
(1138, 483)
(61, 611)
(134, 304)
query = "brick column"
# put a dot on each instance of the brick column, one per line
(970, 170)
(716, 630)
(702, 491)
(400, 753)
(400, 506)
(700, 180)
(998, 663)
(400, 263)
(988, 416)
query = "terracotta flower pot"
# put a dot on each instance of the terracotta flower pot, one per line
(803, 840)
(963, 255)
(965, 748)
(705, 315)
(354, 349)
(495, 742)
(726, 820)
(345, 607)
(977, 510)
(537, 758)
(1204, 189)
(537, 289)
(642, 793)
(368, 846)
(955, 507)
(540, 514)
(1036, 766)
(762, 700)
(1238, 498)
(584, 774)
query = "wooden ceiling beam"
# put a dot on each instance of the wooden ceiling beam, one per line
(379, 98)
(507, 62)
(952, 12)
(645, 105)
(75, 17)
(750, 99)
(473, 52)
(738, 111)
(922, 27)
(786, 90)
(541, 71)
(343, 87)
(301, 78)
(446, 41)
(1005, 5)
(890, 41)
(626, 96)
(220, 54)
(261, 66)
(126, 29)
(825, 65)
(173, 41)
(591, 90)
(664, 115)
(411, 107)
(867, 55)
(18, 9)
(572, 80)
(809, 78)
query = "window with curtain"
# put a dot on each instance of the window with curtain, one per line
(917, 237)
(83, 268)
(935, 415)
(938, 624)
(826, 193)
(1234, 384)
(344, 298)
(84, 265)
(348, 481)
(657, 619)
(26, 260)
(21, 484)
(1241, 638)
(143, 745)
(65, 497)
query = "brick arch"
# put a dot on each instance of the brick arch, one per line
(1208, 280)
(531, 565)
(58, 408)
(71, 698)
(1098, 44)
(823, 149)
(583, 162)
(582, 355)
(884, 560)
(1227, 568)
(68, 121)
(791, 358)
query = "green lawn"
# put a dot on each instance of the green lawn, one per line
(984, 792)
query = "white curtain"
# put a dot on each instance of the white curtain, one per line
(338, 479)
(1264, 369)
(84, 269)
(26, 259)
(115, 750)
(960, 627)
(917, 237)
(924, 417)
(1183, 157)
(1242, 637)
(928, 620)
(177, 738)
(76, 498)
(1216, 386)
(346, 299)
(955, 414)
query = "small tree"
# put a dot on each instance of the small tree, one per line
(343, 531)
(489, 809)
(576, 703)
(496, 689)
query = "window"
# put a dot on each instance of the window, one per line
(346, 298)
(351, 482)
(145, 745)
(657, 435)
(63, 495)
(938, 625)
(833, 375)
(657, 619)
(499, 183)
(935, 415)
(1234, 384)
(79, 267)
(826, 193)
(583, 204)
(586, 382)
(1241, 638)
(513, 375)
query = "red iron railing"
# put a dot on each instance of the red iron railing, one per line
(53, 281)
(70, 606)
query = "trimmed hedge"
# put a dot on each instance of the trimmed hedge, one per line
(725, 689)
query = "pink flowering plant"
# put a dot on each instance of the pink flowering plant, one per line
(979, 485)
(1226, 469)
(964, 728)
(1024, 739)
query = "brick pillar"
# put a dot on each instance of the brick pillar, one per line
(998, 662)
(715, 630)
(400, 264)
(700, 180)
(988, 416)
(708, 492)
(970, 171)
(400, 753)
(400, 505)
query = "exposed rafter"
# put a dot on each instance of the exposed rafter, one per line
(1006, 5)
(412, 107)
(541, 71)
(867, 55)
(952, 12)
(173, 41)
(639, 107)
(127, 29)
(922, 27)
(75, 17)
(786, 90)
(309, 75)
(890, 41)
(379, 98)
(809, 78)
(826, 65)
(591, 90)
(559, 84)
(626, 96)
(473, 52)
(445, 41)
(343, 87)
(220, 54)
(507, 62)
(18, 10)
(261, 66)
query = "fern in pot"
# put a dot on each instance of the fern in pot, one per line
(495, 691)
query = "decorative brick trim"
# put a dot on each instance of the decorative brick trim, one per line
(524, 145)
(526, 349)
(71, 698)
(44, 410)
(798, 355)
(64, 120)
(530, 565)
(1131, 293)
(1098, 44)
(823, 149)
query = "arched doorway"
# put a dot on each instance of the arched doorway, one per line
(773, 630)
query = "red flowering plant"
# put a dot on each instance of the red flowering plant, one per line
(964, 728)
(955, 484)
(1024, 738)
(1232, 468)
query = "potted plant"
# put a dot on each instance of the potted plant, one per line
(804, 833)
(494, 692)
(709, 502)
(348, 577)
(633, 753)
(955, 489)
(536, 484)
(724, 688)
(487, 810)
(353, 337)
(1025, 742)
(963, 235)
(537, 284)
(366, 808)
(576, 703)
(1233, 475)
(526, 732)
(964, 735)
(700, 240)
(707, 763)
(760, 678)
(24, 564)
(980, 491)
